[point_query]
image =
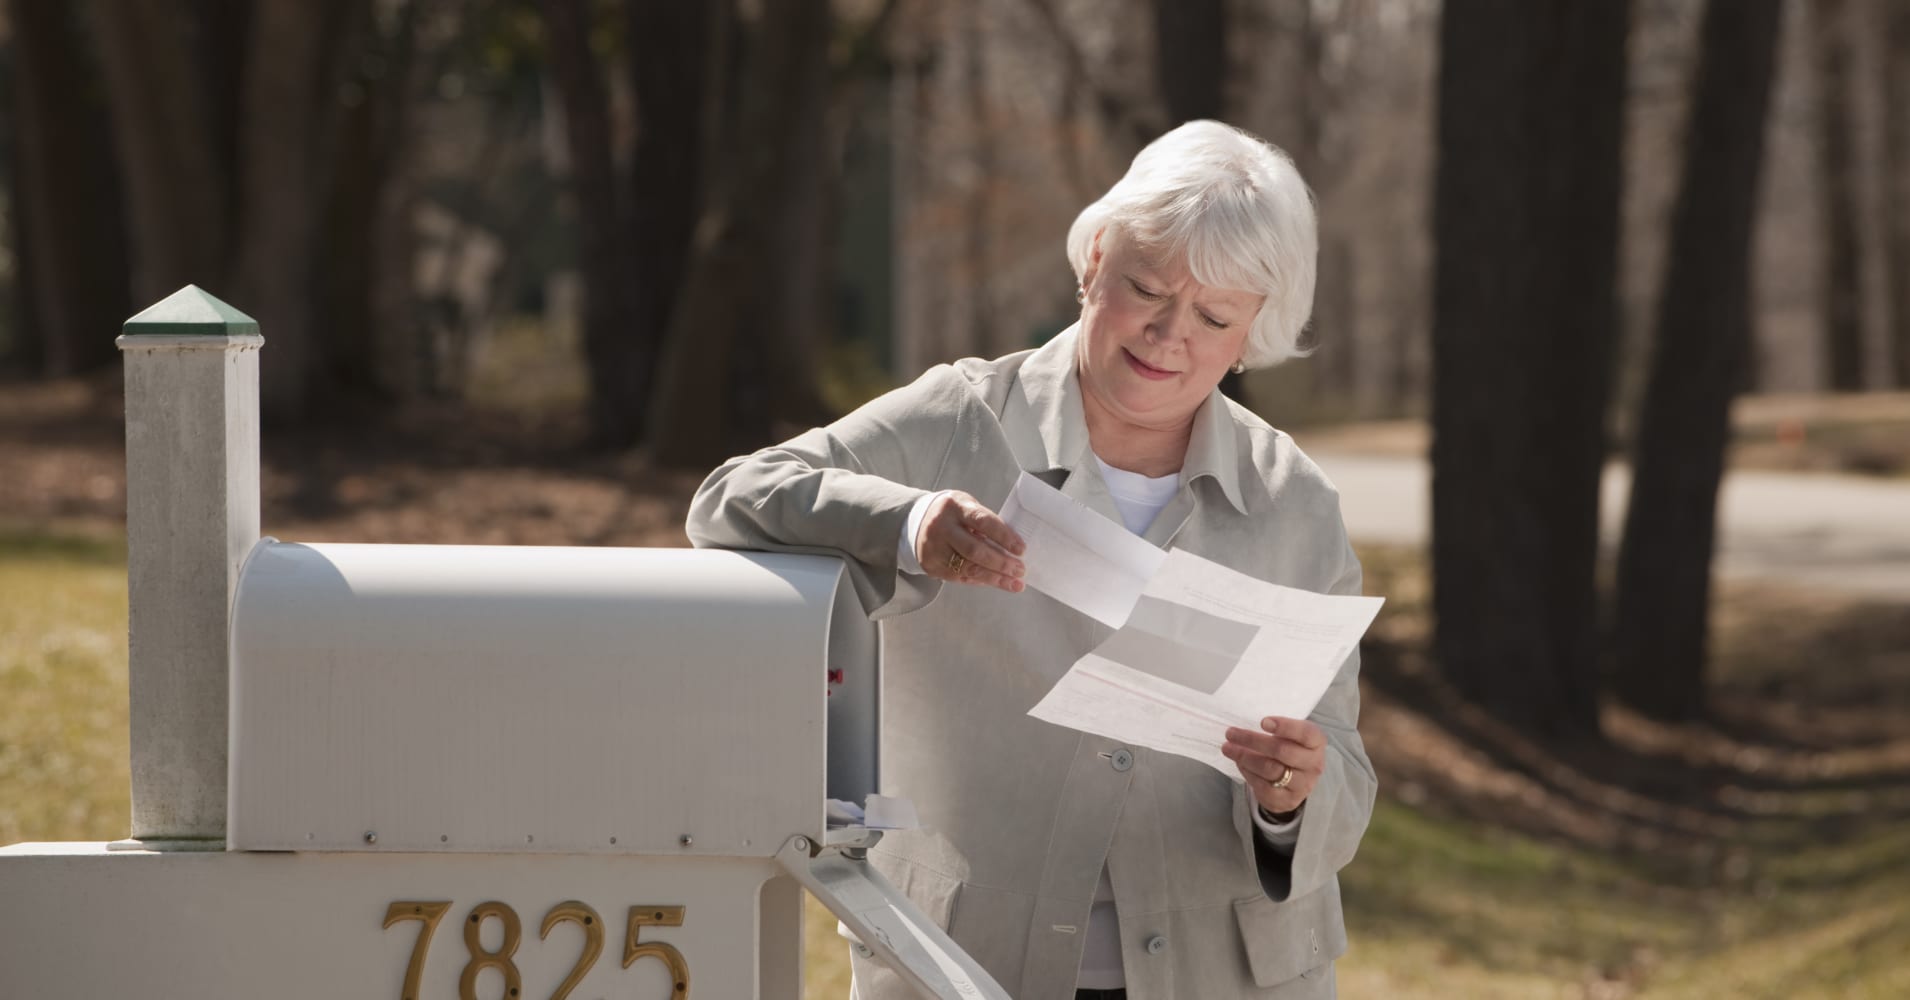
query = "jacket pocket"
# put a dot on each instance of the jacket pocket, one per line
(1286, 940)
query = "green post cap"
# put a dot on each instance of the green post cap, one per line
(191, 312)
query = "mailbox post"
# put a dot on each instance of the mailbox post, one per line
(454, 770)
(192, 514)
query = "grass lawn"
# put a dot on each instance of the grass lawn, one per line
(63, 742)
(1474, 890)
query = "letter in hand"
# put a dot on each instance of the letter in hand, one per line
(1264, 757)
(962, 541)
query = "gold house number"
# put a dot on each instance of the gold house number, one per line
(503, 959)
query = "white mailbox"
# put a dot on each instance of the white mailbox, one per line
(383, 770)
(553, 700)
(506, 700)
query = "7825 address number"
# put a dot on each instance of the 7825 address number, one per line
(428, 913)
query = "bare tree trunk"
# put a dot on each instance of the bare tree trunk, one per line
(978, 226)
(173, 161)
(737, 323)
(360, 353)
(1832, 52)
(68, 194)
(670, 55)
(227, 117)
(1896, 180)
(606, 256)
(1703, 346)
(1526, 227)
(289, 126)
(19, 348)
(1190, 61)
(1190, 58)
(803, 238)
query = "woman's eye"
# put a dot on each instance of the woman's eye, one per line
(1212, 323)
(1142, 292)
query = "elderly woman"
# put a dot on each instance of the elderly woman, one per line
(1069, 865)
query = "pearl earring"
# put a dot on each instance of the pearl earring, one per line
(1080, 293)
(1238, 368)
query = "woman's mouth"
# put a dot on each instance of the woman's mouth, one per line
(1145, 370)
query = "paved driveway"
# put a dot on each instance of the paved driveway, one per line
(1843, 532)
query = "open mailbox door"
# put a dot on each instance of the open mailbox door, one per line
(896, 933)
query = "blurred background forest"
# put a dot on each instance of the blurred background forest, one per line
(1613, 371)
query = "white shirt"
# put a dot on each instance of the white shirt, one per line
(1139, 500)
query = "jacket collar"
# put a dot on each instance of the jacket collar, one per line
(1051, 390)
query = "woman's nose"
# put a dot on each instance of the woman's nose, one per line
(1166, 326)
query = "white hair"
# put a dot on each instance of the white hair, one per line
(1235, 209)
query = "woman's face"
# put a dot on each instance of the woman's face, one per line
(1154, 342)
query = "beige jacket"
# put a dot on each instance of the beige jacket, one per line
(1019, 815)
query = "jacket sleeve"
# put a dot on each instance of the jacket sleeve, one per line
(1336, 813)
(844, 489)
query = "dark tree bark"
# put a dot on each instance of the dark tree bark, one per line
(616, 358)
(1843, 308)
(1190, 61)
(1896, 182)
(1526, 228)
(175, 163)
(289, 124)
(1190, 57)
(979, 226)
(67, 194)
(19, 348)
(226, 118)
(784, 372)
(361, 352)
(1702, 351)
(670, 71)
(740, 351)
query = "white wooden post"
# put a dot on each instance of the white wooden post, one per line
(192, 514)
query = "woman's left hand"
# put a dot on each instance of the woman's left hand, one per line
(1265, 757)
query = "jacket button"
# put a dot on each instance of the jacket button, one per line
(1122, 759)
(1156, 944)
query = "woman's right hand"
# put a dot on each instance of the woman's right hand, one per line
(961, 540)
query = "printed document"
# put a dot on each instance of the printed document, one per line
(1197, 647)
(1076, 556)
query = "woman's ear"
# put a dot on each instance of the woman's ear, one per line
(1094, 259)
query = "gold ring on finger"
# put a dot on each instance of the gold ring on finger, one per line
(956, 563)
(1286, 777)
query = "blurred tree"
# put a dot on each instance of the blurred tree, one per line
(227, 120)
(670, 45)
(1843, 310)
(1896, 179)
(1129, 119)
(1190, 61)
(618, 347)
(19, 349)
(481, 219)
(1701, 359)
(72, 243)
(717, 243)
(1525, 221)
(980, 191)
(364, 308)
(1190, 58)
(739, 359)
